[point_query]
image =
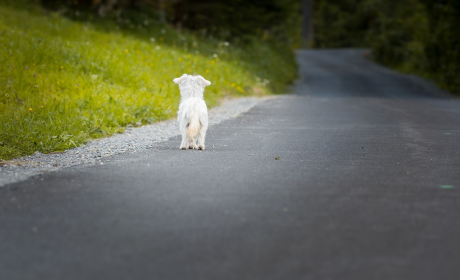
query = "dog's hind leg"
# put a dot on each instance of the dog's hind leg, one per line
(201, 137)
(184, 143)
(203, 129)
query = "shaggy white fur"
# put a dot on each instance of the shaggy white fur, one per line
(193, 113)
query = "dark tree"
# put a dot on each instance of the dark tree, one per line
(307, 22)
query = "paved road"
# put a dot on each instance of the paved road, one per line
(367, 186)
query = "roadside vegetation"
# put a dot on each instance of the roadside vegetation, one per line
(412, 36)
(67, 81)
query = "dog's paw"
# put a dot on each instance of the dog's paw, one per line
(201, 147)
(195, 147)
(183, 148)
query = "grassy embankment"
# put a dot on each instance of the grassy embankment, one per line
(65, 82)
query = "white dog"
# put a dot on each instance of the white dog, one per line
(193, 113)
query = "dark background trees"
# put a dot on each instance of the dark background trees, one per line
(225, 19)
(414, 36)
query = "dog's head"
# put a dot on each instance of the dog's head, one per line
(191, 85)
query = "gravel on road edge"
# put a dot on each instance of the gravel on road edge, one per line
(132, 140)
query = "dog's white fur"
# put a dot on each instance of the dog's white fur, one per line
(193, 113)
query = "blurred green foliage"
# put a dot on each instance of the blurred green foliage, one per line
(412, 36)
(339, 24)
(230, 20)
(268, 24)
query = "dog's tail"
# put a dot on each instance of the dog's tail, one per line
(194, 126)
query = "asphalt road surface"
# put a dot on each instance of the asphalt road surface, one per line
(354, 176)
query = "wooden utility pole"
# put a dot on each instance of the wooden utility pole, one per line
(307, 24)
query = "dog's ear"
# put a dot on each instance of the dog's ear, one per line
(203, 81)
(179, 80)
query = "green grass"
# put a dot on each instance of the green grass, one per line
(66, 82)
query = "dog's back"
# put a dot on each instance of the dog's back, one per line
(193, 114)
